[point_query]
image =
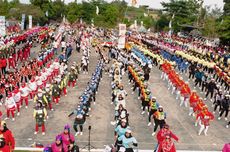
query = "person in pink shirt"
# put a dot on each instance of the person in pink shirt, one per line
(58, 145)
(67, 137)
(226, 148)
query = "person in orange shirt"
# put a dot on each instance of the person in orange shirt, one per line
(205, 121)
(185, 94)
(193, 100)
(201, 112)
(178, 84)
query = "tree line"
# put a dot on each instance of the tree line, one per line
(211, 22)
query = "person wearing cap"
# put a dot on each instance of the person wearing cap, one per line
(225, 104)
(58, 145)
(40, 114)
(7, 135)
(119, 131)
(67, 137)
(128, 141)
(154, 105)
(160, 117)
(10, 106)
(167, 145)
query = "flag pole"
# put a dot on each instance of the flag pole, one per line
(126, 10)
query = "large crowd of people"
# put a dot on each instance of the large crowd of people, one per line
(46, 78)
(210, 74)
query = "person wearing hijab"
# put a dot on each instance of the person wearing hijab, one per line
(58, 145)
(120, 131)
(67, 137)
(128, 141)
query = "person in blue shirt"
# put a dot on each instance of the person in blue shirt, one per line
(79, 119)
(120, 131)
(128, 141)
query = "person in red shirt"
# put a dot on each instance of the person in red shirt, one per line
(199, 110)
(205, 122)
(3, 146)
(193, 100)
(167, 145)
(3, 63)
(20, 55)
(7, 135)
(11, 62)
(161, 135)
(185, 94)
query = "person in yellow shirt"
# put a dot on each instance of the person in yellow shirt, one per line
(41, 97)
(64, 84)
(40, 114)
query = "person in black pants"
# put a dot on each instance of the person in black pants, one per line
(225, 107)
(199, 75)
(79, 119)
(217, 102)
(192, 70)
(160, 117)
(211, 86)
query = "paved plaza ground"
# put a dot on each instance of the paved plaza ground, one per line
(103, 112)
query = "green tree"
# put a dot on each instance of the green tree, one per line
(224, 28)
(73, 12)
(186, 12)
(162, 23)
(4, 7)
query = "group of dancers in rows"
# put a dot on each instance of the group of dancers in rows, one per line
(156, 114)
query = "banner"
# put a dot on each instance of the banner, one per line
(121, 40)
(23, 21)
(2, 26)
(30, 21)
(97, 10)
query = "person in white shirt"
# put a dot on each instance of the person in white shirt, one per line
(33, 86)
(56, 65)
(38, 80)
(25, 91)
(17, 98)
(10, 106)
(63, 45)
